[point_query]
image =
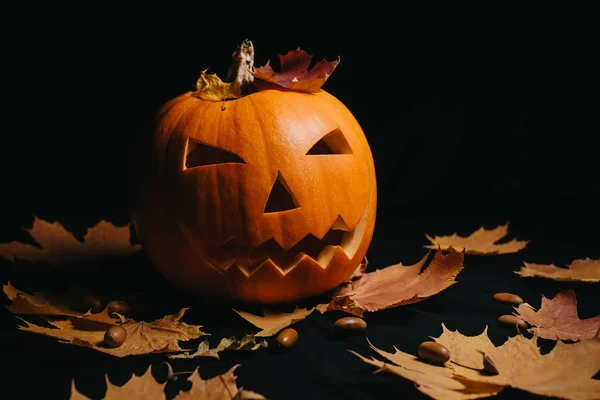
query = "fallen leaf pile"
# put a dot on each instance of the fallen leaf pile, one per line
(482, 241)
(273, 321)
(58, 246)
(294, 72)
(585, 270)
(557, 318)
(566, 372)
(221, 387)
(396, 285)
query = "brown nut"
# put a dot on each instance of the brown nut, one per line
(508, 298)
(489, 367)
(120, 307)
(433, 352)
(351, 324)
(91, 303)
(511, 320)
(287, 337)
(115, 336)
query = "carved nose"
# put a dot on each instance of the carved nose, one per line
(280, 198)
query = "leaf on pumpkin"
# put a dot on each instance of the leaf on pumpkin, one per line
(482, 241)
(294, 73)
(103, 240)
(558, 319)
(160, 336)
(221, 387)
(272, 321)
(566, 372)
(211, 87)
(248, 343)
(583, 270)
(396, 285)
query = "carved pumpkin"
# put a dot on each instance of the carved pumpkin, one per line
(270, 199)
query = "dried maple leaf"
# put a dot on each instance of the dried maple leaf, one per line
(138, 387)
(396, 285)
(467, 356)
(248, 342)
(584, 270)
(294, 73)
(482, 241)
(51, 304)
(566, 372)
(211, 87)
(160, 336)
(558, 319)
(272, 321)
(60, 246)
(221, 387)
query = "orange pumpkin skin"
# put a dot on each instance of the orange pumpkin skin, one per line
(212, 226)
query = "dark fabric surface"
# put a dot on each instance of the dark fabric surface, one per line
(466, 131)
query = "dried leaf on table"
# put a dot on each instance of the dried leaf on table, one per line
(482, 241)
(468, 356)
(583, 270)
(160, 336)
(558, 319)
(396, 285)
(565, 372)
(247, 343)
(138, 387)
(294, 72)
(57, 245)
(273, 321)
(56, 305)
(221, 387)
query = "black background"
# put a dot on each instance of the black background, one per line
(475, 118)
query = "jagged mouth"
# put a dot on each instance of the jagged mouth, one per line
(249, 261)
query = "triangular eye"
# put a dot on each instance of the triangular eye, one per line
(332, 143)
(199, 154)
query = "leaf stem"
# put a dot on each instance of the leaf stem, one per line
(240, 72)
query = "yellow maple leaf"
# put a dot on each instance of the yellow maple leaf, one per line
(211, 87)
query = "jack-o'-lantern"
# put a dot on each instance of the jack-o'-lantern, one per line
(270, 197)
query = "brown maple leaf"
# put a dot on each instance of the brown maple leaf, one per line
(57, 305)
(467, 356)
(583, 270)
(273, 321)
(57, 245)
(565, 372)
(482, 241)
(138, 387)
(160, 336)
(248, 342)
(221, 387)
(558, 319)
(396, 285)
(294, 73)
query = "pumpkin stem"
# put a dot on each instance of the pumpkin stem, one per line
(240, 72)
